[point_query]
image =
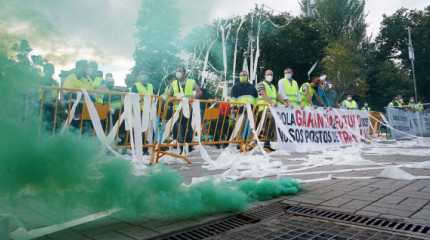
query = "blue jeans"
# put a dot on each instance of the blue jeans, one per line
(182, 129)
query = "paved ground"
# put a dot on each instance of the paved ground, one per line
(348, 191)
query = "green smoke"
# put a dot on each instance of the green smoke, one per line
(58, 176)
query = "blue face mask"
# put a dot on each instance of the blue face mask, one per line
(288, 75)
(144, 78)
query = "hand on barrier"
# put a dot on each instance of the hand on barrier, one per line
(330, 108)
(315, 106)
(274, 104)
(180, 95)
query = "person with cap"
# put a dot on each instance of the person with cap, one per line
(319, 90)
(289, 90)
(307, 91)
(398, 102)
(268, 95)
(348, 103)
(184, 88)
(331, 94)
(366, 107)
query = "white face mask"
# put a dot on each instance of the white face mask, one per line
(288, 76)
(401, 99)
(178, 75)
(330, 85)
(349, 98)
(269, 78)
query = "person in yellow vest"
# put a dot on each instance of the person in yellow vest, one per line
(307, 90)
(142, 85)
(170, 79)
(348, 103)
(289, 90)
(78, 80)
(419, 106)
(391, 104)
(366, 107)
(184, 88)
(92, 75)
(411, 104)
(268, 95)
(398, 102)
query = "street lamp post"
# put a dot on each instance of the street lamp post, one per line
(412, 58)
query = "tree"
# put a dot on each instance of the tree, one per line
(339, 19)
(392, 45)
(22, 50)
(157, 33)
(343, 67)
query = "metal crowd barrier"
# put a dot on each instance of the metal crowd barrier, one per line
(264, 124)
(221, 123)
(219, 120)
(55, 112)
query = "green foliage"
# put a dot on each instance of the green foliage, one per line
(340, 19)
(22, 50)
(343, 66)
(392, 45)
(157, 33)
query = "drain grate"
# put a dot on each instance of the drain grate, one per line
(218, 227)
(380, 223)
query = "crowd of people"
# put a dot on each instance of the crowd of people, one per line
(319, 92)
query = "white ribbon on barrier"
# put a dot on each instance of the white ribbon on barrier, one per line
(72, 111)
(185, 107)
(251, 125)
(238, 125)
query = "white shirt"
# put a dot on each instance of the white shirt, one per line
(282, 89)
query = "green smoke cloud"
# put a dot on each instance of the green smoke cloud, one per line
(58, 176)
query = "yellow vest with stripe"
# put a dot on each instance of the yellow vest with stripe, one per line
(189, 87)
(349, 104)
(48, 94)
(142, 90)
(420, 107)
(303, 97)
(97, 81)
(291, 91)
(270, 92)
(366, 109)
(391, 105)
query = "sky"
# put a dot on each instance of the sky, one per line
(65, 31)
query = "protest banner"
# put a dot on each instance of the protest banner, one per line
(408, 123)
(319, 129)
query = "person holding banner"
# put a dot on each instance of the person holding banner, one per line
(268, 95)
(348, 103)
(289, 90)
(307, 90)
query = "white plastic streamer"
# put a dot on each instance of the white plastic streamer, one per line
(251, 125)
(235, 49)
(145, 112)
(72, 111)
